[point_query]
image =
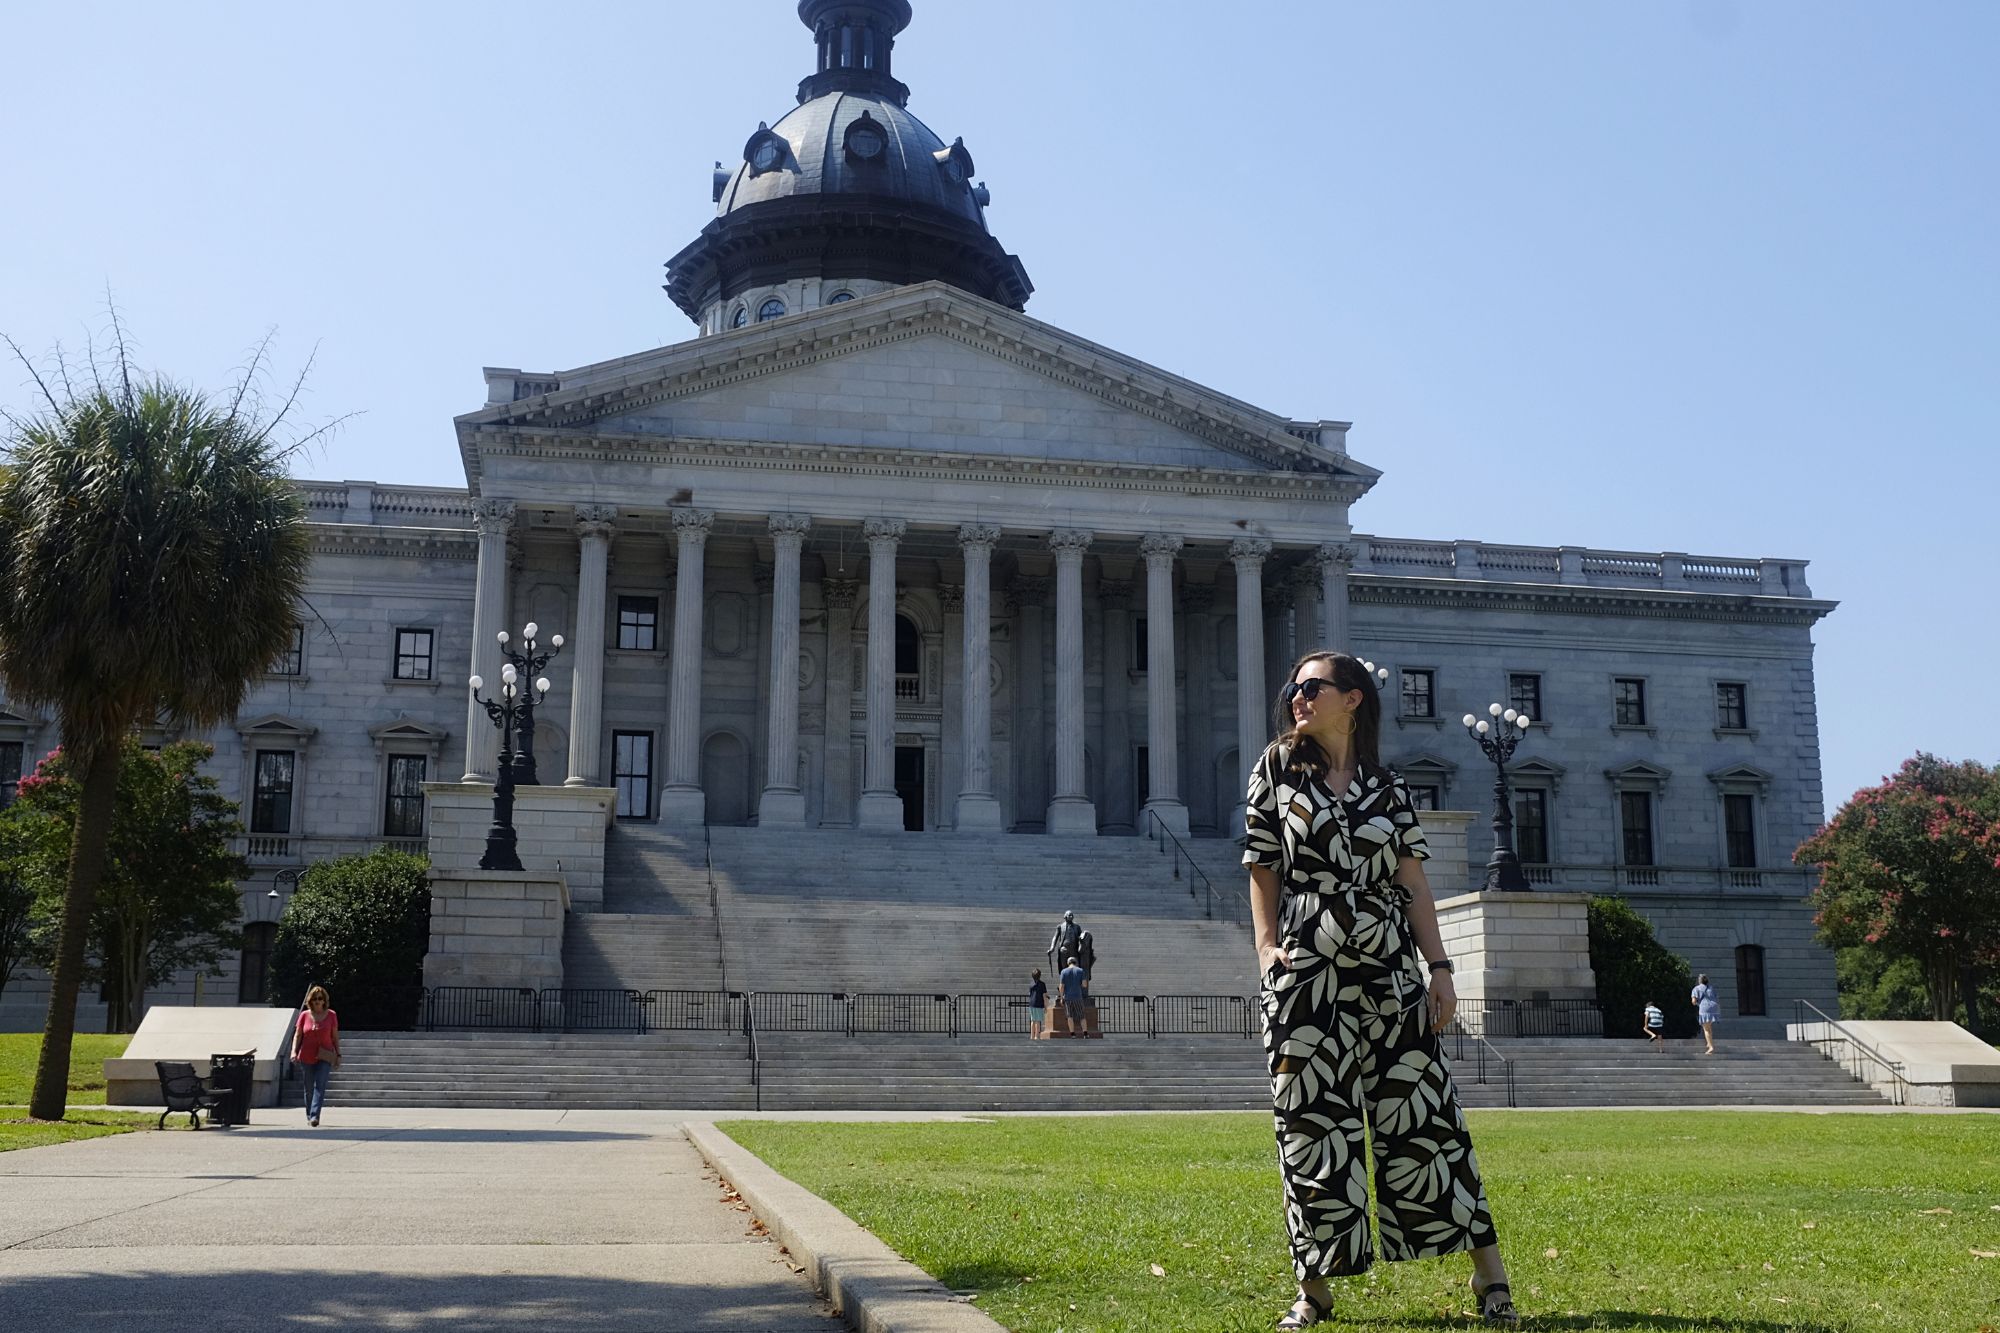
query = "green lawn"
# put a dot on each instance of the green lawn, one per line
(17, 1131)
(1717, 1222)
(87, 1055)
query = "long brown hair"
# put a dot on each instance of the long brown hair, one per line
(1303, 753)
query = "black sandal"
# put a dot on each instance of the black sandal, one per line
(1496, 1303)
(1305, 1312)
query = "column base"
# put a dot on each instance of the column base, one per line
(781, 807)
(1171, 813)
(1071, 816)
(977, 813)
(881, 811)
(683, 807)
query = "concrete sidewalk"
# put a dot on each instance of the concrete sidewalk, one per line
(390, 1219)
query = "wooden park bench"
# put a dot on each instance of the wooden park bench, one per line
(184, 1090)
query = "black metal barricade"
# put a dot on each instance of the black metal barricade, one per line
(886, 1011)
(991, 1015)
(1123, 1015)
(694, 1011)
(597, 1010)
(802, 1011)
(1226, 1015)
(488, 1008)
(1531, 1018)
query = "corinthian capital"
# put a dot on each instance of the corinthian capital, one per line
(692, 525)
(1334, 557)
(1249, 553)
(1071, 542)
(1159, 546)
(978, 534)
(790, 525)
(493, 517)
(596, 520)
(889, 530)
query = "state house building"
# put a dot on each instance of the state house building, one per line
(876, 549)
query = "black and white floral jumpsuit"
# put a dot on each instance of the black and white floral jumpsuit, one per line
(1348, 1035)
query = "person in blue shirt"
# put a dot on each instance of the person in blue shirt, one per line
(1707, 1008)
(1073, 978)
(1656, 1023)
(1038, 1007)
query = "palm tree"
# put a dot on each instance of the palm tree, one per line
(152, 554)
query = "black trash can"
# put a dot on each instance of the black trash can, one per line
(230, 1074)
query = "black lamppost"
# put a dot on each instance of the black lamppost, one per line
(528, 665)
(513, 713)
(1498, 739)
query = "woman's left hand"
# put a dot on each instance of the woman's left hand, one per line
(1443, 999)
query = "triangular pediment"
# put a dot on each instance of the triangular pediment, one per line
(405, 728)
(1638, 773)
(925, 368)
(1740, 775)
(275, 725)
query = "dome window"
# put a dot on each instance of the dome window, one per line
(740, 318)
(838, 297)
(771, 309)
(955, 163)
(766, 151)
(866, 140)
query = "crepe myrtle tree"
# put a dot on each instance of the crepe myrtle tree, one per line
(1912, 868)
(153, 554)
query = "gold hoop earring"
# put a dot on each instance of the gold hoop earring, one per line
(1353, 723)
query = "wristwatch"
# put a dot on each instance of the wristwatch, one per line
(1442, 965)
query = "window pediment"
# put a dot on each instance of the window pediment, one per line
(1637, 775)
(1538, 771)
(276, 727)
(1741, 777)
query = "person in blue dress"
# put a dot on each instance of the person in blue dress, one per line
(1706, 1010)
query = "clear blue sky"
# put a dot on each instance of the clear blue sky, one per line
(1694, 275)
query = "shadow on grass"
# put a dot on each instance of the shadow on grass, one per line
(1596, 1319)
(313, 1296)
(374, 1133)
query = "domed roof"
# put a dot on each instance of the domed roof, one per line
(848, 184)
(824, 147)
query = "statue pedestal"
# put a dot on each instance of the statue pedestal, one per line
(499, 928)
(1516, 953)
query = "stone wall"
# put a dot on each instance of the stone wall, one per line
(496, 928)
(558, 831)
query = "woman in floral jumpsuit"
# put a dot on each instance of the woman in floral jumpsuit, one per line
(1350, 1026)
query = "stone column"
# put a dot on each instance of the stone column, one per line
(978, 810)
(837, 798)
(880, 807)
(1334, 561)
(1252, 706)
(1071, 810)
(1302, 584)
(1197, 702)
(1027, 595)
(783, 804)
(594, 526)
(682, 801)
(495, 520)
(1120, 786)
(1162, 739)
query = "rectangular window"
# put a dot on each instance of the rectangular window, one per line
(1524, 693)
(1739, 825)
(403, 809)
(292, 661)
(413, 654)
(1750, 980)
(12, 755)
(1142, 773)
(639, 623)
(632, 773)
(1732, 710)
(1419, 693)
(1635, 819)
(1139, 643)
(253, 979)
(271, 791)
(1531, 826)
(1425, 797)
(1629, 695)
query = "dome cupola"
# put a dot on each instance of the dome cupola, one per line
(846, 194)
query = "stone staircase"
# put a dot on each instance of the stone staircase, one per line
(657, 931)
(801, 1071)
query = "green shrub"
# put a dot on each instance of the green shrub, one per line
(359, 926)
(1633, 967)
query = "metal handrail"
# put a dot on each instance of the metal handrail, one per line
(754, 1055)
(1895, 1067)
(1506, 1065)
(1181, 853)
(715, 907)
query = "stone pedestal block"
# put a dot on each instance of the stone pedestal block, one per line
(1519, 946)
(1446, 833)
(496, 928)
(557, 830)
(1072, 817)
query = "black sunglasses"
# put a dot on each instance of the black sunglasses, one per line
(1309, 689)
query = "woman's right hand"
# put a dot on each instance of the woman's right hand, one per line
(1270, 956)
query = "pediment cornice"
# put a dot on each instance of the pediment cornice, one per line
(931, 309)
(425, 543)
(554, 443)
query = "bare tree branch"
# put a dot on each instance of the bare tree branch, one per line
(33, 374)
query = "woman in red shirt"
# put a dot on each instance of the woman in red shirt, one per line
(316, 1049)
